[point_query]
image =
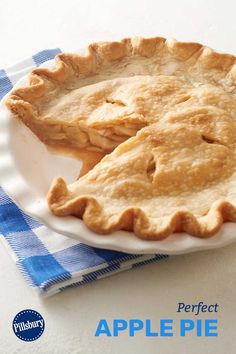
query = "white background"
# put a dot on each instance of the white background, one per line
(154, 290)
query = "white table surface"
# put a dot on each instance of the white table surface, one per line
(154, 290)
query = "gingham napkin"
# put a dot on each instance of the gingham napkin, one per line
(51, 262)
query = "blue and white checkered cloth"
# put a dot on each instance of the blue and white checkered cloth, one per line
(51, 262)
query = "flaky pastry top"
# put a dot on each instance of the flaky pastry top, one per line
(163, 111)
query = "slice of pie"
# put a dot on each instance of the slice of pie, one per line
(163, 113)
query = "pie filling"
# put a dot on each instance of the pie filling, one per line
(101, 116)
(155, 128)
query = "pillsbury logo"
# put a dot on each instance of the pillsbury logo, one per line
(28, 325)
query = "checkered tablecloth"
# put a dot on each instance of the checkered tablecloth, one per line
(51, 262)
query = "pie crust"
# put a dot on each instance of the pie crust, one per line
(164, 114)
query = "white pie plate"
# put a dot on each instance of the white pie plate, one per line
(26, 171)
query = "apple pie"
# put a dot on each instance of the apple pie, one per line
(157, 120)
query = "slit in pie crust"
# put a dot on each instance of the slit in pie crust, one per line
(164, 114)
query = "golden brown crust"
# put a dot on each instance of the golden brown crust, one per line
(137, 187)
(22, 100)
(208, 81)
(136, 220)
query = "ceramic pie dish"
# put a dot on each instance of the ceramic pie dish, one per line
(163, 114)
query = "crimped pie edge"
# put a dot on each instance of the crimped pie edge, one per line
(19, 102)
(134, 219)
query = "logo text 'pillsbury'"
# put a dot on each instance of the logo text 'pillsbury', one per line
(28, 325)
